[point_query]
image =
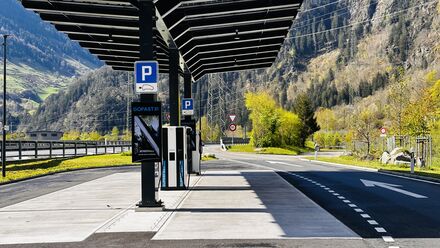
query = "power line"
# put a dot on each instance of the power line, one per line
(365, 21)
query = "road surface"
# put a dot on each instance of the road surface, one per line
(374, 205)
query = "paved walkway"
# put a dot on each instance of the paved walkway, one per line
(222, 204)
(249, 205)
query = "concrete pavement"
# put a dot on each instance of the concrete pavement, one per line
(255, 204)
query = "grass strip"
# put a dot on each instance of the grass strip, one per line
(433, 171)
(267, 150)
(27, 169)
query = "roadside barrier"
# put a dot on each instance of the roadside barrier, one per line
(25, 150)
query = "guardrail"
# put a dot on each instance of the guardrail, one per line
(23, 150)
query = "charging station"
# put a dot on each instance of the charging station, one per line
(175, 172)
(195, 168)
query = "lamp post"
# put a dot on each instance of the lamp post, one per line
(5, 37)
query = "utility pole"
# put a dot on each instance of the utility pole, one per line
(5, 37)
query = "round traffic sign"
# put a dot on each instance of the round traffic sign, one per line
(383, 130)
(232, 127)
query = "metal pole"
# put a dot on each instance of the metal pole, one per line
(5, 37)
(187, 89)
(200, 108)
(174, 87)
(19, 150)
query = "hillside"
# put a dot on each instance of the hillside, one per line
(344, 54)
(41, 59)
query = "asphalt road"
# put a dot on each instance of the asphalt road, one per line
(21, 191)
(372, 204)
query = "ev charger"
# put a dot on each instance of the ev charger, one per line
(195, 168)
(175, 158)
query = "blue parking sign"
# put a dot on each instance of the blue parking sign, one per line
(146, 76)
(187, 106)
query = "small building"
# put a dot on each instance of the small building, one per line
(44, 135)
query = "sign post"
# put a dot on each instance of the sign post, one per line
(232, 128)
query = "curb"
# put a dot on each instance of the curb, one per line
(388, 172)
(64, 171)
(431, 179)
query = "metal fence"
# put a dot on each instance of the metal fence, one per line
(425, 148)
(24, 150)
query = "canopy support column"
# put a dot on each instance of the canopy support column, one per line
(174, 86)
(147, 24)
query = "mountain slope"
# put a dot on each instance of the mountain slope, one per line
(41, 60)
(342, 52)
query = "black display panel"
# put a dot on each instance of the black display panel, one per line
(147, 131)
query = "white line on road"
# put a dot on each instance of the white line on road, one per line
(373, 222)
(391, 187)
(366, 216)
(380, 230)
(283, 163)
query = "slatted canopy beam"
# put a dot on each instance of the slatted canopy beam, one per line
(211, 35)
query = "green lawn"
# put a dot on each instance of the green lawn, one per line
(433, 171)
(23, 169)
(268, 150)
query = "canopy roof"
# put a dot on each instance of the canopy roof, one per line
(211, 35)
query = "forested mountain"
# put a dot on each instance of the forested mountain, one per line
(342, 53)
(41, 59)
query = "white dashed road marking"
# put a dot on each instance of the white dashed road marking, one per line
(387, 239)
(373, 222)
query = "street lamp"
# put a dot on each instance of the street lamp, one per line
(5, 37)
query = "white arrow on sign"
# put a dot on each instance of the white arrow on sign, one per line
(392, 187)
(276, 162)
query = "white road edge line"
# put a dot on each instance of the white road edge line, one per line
(366, 169)
(380, 230)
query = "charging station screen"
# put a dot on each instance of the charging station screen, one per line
(147, 130)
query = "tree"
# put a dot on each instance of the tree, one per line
(209, 133)
(303, 108)
(84, 136)
(114, 135)
(71, 135)
(95, 136)
(265, 119)
(326, 119)
(366, 125)
(398, 100)
(127, 135)
(289, 129)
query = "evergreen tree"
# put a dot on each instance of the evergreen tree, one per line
(304, 109)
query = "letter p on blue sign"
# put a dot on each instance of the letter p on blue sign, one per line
(146, 76)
